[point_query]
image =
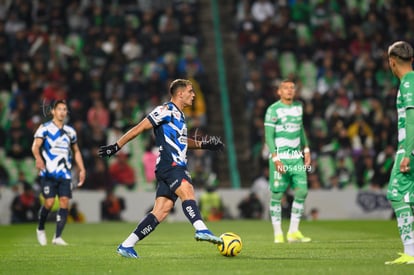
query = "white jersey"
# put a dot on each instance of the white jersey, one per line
(56, 149)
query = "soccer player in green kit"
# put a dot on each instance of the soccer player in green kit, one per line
(401, 184)
(289, 160)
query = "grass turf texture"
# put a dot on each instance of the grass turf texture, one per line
(337, 247)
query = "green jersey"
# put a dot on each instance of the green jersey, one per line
(405, 100)
(284, 129)
(401, 185)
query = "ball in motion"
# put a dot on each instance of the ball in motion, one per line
(232, 244)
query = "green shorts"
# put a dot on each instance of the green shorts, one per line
(294, 177)
(401, 185)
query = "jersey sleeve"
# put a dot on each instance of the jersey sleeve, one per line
(40, 132)
(269, 125)
(160, 115)
(409, 127)
(407, 91)
(72, 134)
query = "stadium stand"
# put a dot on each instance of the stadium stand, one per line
(111, 60)
(336, 53)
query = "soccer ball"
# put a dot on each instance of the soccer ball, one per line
(232, 244)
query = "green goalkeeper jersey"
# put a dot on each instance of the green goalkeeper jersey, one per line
(405, 100)
(284, 129)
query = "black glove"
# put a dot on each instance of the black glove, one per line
(213, 144)
(108, 150)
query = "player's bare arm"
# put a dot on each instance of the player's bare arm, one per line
(37, 143)
(79, 162)
(109, 150)
(141, 127)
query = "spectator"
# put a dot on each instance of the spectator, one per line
(211, 204)
(149, 160)
(250, 207)
(17, 148)
(98, 114)
(25, 206)
(260, 187)
(75, 215)
(201, 176)
(4, 177)
(197, 113)
(262, 10)
(112, 207)
(99, 177)
(121, 172)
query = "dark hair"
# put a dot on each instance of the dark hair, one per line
(49, 106)
(179, 83)
(57, 102)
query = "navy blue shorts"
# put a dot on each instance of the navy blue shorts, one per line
(52, 187)
(168, 181)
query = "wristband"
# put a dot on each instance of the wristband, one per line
(306, 150)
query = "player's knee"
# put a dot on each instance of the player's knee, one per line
(277, 196)
(301, 194)
(49, 203)
(161, 213)
(162, 208)
(185, 191)
(63, 202)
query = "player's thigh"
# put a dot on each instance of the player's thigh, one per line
(401, 185)
(64, 188)
(163, 190)
(168, 181)
(48, 187)
(278, 182)
(299, 180)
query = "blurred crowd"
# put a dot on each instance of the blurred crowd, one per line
(112, 61)
(336, 52)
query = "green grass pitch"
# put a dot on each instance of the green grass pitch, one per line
(338, 247)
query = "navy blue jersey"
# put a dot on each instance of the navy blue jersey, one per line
(170, 136)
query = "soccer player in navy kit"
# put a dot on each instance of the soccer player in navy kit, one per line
(54, 148)
(173, 179)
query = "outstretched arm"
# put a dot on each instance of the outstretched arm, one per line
(109, 150)
(144, 125)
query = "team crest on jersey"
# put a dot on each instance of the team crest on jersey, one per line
(406, 84)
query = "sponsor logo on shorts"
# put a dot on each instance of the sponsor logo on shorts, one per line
(173, 184)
